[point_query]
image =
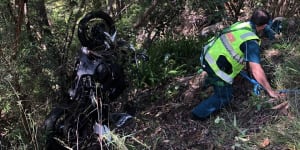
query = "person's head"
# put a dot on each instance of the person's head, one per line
(260, 18)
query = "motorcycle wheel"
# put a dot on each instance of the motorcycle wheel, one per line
(83, 29)
(51, 133)
(60, 127)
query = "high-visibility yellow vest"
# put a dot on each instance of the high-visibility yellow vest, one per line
(228, 45)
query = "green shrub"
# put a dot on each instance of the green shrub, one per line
(170, 58)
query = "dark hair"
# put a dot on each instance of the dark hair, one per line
(260, 17)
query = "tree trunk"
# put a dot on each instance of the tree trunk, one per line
(144, 18)
(20, 4)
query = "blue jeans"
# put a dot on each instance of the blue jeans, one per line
(223, 93)
(221, 97)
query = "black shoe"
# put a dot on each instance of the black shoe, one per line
(196, 118)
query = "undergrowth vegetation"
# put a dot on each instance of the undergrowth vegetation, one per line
(253, 125)
(277, 120)
(251, 122)
(34, 77)
(169, 59)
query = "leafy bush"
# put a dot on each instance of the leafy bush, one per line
(169, 58)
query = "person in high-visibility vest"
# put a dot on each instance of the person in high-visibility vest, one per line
(225, 56)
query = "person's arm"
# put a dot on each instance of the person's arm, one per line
(252, 56)
(259, 75)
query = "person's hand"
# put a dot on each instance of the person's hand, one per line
(276, 95)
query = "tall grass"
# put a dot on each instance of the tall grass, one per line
(284, 133)
(274, 129)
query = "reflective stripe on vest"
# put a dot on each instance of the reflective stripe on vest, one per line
(224, 76)
(230, 49)
(228, 45)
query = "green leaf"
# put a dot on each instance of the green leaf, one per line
(173, 72)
